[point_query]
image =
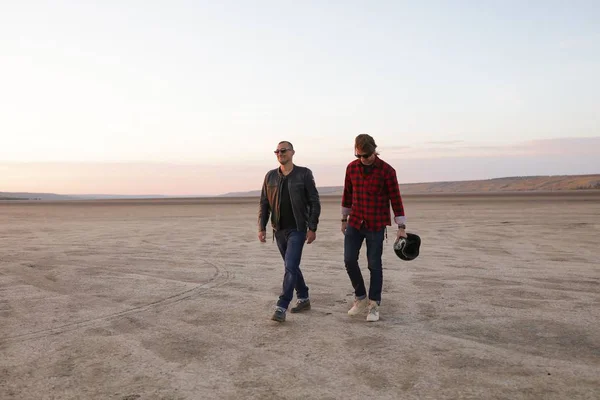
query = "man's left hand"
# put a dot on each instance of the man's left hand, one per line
(310, 236)
(400, 234)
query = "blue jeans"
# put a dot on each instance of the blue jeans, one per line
(290, 243)
(353, 240)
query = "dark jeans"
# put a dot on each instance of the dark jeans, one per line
(290, 243)
(353, 241)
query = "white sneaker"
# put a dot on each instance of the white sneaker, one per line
(358, 307)
(373, 314)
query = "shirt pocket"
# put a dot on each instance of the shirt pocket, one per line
(375, 185)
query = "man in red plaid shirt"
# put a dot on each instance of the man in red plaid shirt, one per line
(370, 186)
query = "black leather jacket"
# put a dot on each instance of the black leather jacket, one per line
(304, 196)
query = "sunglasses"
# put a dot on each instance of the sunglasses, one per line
(363, 155)
(282, 151)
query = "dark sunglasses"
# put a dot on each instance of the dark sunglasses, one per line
(282, 151)
(363, 155)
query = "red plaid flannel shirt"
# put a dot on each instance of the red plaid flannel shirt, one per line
(367, 197)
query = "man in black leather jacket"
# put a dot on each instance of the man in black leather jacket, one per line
(289, 195)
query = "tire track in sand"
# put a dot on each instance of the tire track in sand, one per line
(220, 278)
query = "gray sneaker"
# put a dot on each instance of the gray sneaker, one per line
(279, 315)
(301, 305)
(373, 314)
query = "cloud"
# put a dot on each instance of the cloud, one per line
(394, 150)
(578, 42)
(467, 168)
(571, 146)
(461, 148)
(559, 146)
(446, 142)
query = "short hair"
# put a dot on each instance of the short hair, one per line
(365, 142)
(289, 143)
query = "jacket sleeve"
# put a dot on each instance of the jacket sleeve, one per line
(314, 202)
(395, 197)
(347, 195)
(264, 208)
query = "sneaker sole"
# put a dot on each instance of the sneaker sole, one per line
(362, 311)
(297, 310)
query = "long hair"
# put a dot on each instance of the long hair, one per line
(366, 143)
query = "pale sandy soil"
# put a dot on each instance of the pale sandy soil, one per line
(172, 300)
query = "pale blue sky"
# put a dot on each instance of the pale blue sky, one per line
(200, 90)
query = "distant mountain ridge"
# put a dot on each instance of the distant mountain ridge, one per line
(507, 184)
(323, 190)
(54, 196)
(33, 196)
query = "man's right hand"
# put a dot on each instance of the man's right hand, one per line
(344, 226)
(262, 236)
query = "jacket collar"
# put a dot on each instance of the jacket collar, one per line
(281, 173)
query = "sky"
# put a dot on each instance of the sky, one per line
(192, 97)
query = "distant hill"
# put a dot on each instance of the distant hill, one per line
(34, 196)
(508, 184)
(53, 196)
(12, 198)
(323, 190)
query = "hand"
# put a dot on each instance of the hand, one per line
(310, 236)
(262, 236)
(344, 226)
(400, 234)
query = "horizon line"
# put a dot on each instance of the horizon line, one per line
(158, 195)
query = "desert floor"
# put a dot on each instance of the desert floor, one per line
(172, 299)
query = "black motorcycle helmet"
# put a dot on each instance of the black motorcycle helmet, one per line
(408, 248)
